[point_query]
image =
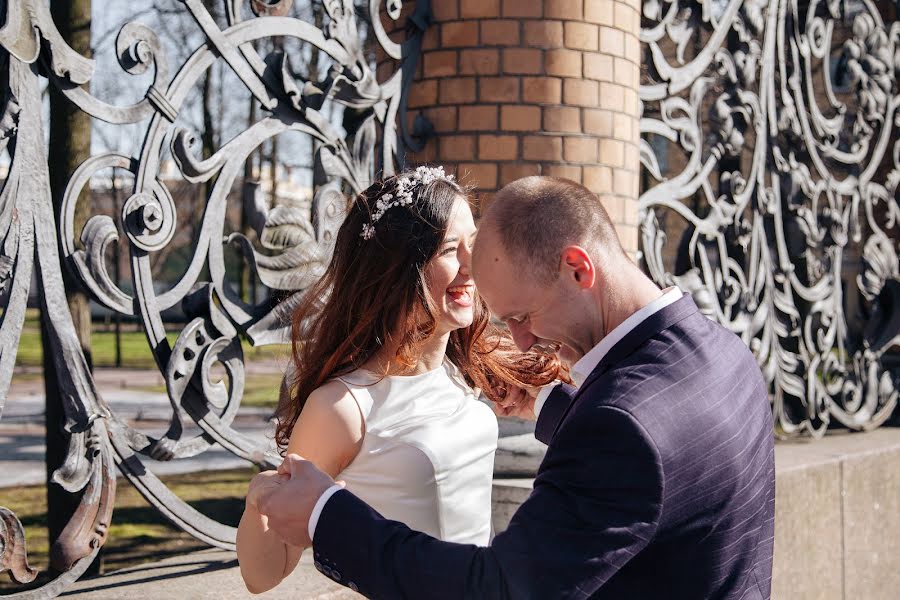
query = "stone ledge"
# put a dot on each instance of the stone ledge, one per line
(518, 456)
(837, 511)
(838, 517)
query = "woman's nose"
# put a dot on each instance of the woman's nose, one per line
(465, 259)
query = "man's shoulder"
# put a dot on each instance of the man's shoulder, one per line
(690, 372)
(693, 348)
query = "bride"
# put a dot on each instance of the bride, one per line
(385, 394)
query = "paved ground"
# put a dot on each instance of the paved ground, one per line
(22, 422)
(22, 427)
(22, 455)
(206, 575)
(28, 384)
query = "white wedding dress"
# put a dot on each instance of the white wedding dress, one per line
(427, 458)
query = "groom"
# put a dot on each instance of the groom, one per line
(659, 478)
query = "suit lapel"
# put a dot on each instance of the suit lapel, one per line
(646, 329)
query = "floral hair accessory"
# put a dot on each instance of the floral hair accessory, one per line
(403, 195)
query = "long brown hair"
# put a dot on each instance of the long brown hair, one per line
(374, 294)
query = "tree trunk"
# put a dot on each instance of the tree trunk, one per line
(277, 46)
(207, 138)
(70, 145)
(313, 75)
(250, 179)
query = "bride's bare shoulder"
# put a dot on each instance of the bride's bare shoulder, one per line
(330, 428)
(332, 393)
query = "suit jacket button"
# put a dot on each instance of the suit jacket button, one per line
(352, 586)
(317, 565)
(336, 574)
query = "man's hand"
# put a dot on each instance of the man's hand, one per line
(263, 483)
(289, 505)
(519, 402)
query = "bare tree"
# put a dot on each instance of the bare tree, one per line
(216, 112)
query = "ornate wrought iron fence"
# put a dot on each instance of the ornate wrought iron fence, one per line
(770, 151)
(771, 156)
(33, 49)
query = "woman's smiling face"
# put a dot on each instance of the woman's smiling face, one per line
(448, 273)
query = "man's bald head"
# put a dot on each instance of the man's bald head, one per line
(535, 218)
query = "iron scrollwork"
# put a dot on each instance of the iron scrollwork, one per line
(770, 141)
(295, 245)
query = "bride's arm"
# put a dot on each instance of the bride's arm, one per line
(329, 433)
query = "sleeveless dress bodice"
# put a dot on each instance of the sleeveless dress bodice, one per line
(427, 457)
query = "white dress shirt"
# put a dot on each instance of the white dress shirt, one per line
(589, 361)
(580, 372)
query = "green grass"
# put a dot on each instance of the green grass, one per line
(260, 390)
(135, 351)
(138, 532)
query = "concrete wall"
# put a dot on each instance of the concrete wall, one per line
(838, 517)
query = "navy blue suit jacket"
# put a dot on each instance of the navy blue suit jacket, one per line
(658, 482)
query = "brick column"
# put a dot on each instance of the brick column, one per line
(525, 87)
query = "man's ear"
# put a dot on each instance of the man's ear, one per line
(577, 264)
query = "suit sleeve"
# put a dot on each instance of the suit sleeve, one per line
(596, 503)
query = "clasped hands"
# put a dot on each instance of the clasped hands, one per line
(518, 402)
(286, 498)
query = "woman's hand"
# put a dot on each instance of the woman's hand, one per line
(518, 402)
(290, 506)
(264, 558)
(262, 484)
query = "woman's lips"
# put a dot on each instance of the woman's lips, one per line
(461, 295)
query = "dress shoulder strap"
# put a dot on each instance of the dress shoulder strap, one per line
(361, 395)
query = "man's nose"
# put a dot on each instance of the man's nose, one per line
(521, 335)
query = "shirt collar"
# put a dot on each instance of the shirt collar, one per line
(589, 361)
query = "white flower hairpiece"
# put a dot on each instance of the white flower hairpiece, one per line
(403, 195)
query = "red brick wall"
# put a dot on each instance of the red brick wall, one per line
(522, 87)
